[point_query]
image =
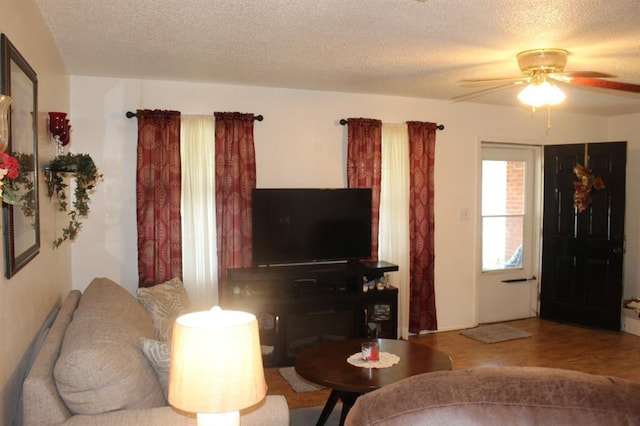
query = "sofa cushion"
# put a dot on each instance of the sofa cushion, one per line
(271, 411)
(101, 367)
(159, 356)
(164, 303)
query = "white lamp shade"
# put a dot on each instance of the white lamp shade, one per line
(216, 362)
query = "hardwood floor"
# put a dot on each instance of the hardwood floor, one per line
(550, 345)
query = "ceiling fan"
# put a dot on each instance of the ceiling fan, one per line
(541, 69)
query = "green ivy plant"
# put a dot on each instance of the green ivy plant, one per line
(86, 176)
(24, 181)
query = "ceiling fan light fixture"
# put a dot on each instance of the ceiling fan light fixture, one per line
(537, 95)
(549, 60)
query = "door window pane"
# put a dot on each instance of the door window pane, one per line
(503, 207)
(502, 238)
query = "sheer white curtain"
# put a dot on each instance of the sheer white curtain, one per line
(199, 250)
(393, 236)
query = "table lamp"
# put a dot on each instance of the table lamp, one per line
(216, 365)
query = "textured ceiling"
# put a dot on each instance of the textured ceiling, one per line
(393, 47)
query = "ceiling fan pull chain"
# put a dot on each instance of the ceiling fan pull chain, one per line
(586, 155)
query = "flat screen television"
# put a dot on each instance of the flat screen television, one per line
(310, 225)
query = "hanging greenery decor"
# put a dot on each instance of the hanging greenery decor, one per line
(86, 177)
(585, 185)
(26, 199)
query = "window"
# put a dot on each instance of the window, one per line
(503, 214)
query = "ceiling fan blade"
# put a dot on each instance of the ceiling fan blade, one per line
(485, 91)
(566, 77)
(474, 82)
(605, 84)
(585, 74)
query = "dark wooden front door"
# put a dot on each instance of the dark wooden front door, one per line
(582, 252)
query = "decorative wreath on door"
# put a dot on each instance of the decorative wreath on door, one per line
(584, 186)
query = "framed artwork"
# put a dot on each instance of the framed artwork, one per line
(21, 221)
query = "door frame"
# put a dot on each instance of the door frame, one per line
(537, 211)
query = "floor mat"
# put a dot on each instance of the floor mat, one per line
(296, 382)
(494, 333)
(309, 416)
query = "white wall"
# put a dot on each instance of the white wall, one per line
(301, 144)
(627, 128)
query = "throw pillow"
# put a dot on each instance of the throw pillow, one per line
(100, 367)
(164, 303)
(159, 356)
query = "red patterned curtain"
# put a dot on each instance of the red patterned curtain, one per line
(235, 180)
(422, 300)
(364, 161)
(158, 181)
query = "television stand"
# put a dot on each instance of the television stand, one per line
(299, 306)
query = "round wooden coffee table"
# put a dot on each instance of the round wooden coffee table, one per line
(327, 365)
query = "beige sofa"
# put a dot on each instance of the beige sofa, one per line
(91, 368)
(501, 396)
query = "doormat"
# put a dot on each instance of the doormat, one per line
(296, 382)
(494, 333)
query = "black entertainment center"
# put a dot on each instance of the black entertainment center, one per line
(300, 306)
(309, 283)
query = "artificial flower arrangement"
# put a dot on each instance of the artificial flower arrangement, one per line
(9, 170)
(584, 186)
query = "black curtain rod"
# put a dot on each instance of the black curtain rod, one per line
(130, 114)
(344, 123)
